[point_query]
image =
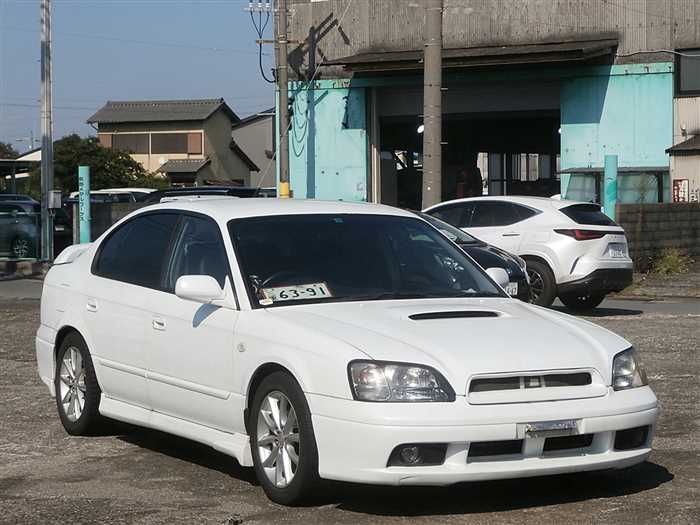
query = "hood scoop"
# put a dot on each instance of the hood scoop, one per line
(462, 314)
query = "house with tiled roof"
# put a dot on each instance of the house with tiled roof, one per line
(189, 141)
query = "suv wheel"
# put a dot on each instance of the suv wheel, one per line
(282, 440)
(581, 301)
(77, 391)
(543, 287)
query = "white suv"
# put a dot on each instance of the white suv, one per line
(572, 249)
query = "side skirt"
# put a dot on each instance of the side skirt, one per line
(235, 445)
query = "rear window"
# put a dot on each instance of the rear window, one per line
(587, 214)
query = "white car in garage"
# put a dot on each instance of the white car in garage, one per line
(572, 249)
(315, 340)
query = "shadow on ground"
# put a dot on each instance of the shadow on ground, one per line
(464, 498)
(496, 496)
(598, 312)
(180, 448)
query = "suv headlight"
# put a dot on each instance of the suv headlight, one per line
(628, 371)
(397, 382)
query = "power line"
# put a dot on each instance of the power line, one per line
(309, 83)
(262, 8)
(136, 41)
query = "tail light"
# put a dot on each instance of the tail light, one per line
(586, 235)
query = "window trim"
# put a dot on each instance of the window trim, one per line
(678, 92)
(98, 252)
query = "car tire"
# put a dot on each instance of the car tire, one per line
(543, 287)
(77, 391)
(582, 302)
(21, 247)
(275, 441)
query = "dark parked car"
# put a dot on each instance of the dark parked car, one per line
(19, 229)
(488, 256)
(17, 197)
(230, 191)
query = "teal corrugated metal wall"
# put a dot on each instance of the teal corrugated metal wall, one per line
(621, 110)
(328, 141)
(625, 110)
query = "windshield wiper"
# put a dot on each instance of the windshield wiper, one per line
(415, 295)
(389, 295)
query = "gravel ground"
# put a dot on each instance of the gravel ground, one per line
(131, 475)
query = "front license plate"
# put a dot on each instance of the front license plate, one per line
(297, 292)
(545, 429)
(512, 289)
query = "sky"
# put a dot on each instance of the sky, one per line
(126, 50)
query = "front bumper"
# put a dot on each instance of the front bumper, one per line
(355, 439)
(602, 280)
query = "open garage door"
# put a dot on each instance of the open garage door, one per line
(499, 139)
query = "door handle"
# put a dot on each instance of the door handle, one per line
(158, 324)
(91, 305)
(511, 234)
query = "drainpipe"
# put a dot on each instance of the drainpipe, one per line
(432, 104)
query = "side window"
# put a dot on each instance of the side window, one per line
(454, 214)
(199, 250)
(524, 212)
(135, 252)
(494, 213)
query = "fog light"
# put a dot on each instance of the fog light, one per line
(631, 438)
(410, 454)
(418, 455)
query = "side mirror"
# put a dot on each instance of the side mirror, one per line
(499, 275)
(199, 288)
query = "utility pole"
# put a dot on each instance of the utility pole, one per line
(432, 104)
(283, 95)
(46, 134)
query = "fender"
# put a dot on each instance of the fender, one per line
(546, 257)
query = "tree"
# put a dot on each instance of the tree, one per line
(109, 168)
(7, 151)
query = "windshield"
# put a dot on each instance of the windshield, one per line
(451, 232)
(294, 259)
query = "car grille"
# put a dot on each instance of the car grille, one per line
(490, 384)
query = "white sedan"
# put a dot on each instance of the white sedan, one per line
(340, 341)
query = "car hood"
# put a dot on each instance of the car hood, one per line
(511, 336)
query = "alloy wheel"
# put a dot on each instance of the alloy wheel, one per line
(20, 248)
(536, 284)
(278, 439)
(72, 384)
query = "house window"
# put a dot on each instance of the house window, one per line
(688, 73)
(194, 143)
(132, 142)
(176, 143)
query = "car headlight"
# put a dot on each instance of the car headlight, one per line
(521, 262)
(397, 382)
(628, 371)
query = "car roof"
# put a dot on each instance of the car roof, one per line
(224, 209)
(535, 202)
